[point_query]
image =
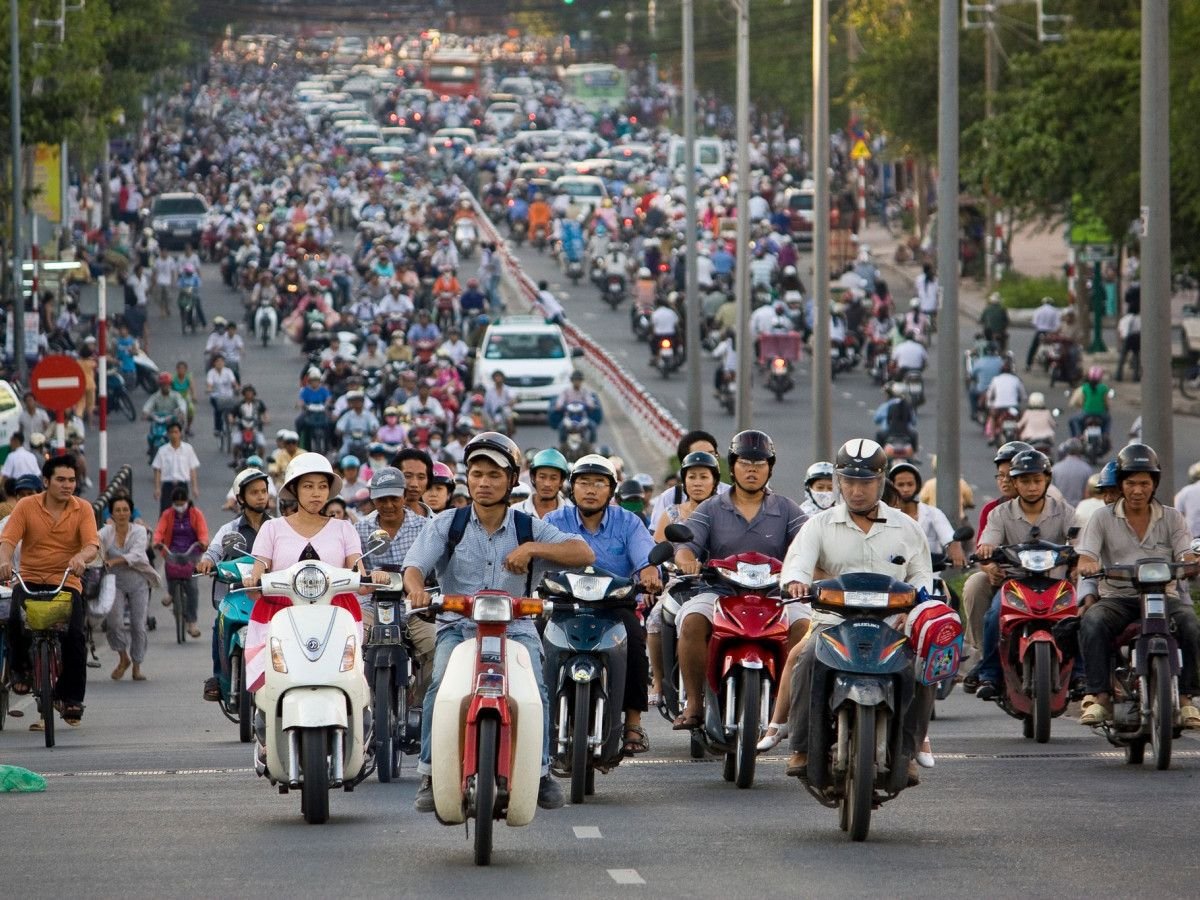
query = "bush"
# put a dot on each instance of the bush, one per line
(1021, 292)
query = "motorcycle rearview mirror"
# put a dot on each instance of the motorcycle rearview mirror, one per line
(1035, 533)
(1072, 532)
(661, 553)
(963, 533)
(233, 541)
(376, 542)
(678, 534)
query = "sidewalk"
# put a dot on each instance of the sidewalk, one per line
(1036, 252)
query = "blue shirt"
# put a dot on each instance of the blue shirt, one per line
(314, 395)
(621, 544)
(722, 262)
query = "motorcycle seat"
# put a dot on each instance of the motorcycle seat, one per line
(1130, 633)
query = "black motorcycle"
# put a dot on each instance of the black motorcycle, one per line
(585, 646)
(390, 669)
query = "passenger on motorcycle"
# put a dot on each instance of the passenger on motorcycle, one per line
(1010, 523)
(748, 518)
(859, 534)
(499, 404)
(577, 393)
(488, 557)
(818, 489)
(548, 472)
(1092, 400)
(939, 533)
(1037, 424)
(437, 495)
(909, 355)
(1006, 392)
(1135, 527)
(252, 493)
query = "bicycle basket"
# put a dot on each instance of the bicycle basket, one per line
(43, 615)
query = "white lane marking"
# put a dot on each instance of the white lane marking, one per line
(681, 404)
(626, 876)
(584, 832)
(847, 395)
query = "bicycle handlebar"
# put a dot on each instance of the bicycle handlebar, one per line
(53, 593)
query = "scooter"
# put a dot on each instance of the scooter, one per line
(1145, 666)
(266, 321)
(315, 695)
(574, 428)
(780, 381)
(315, 430)
(146, 371)
(389, 661)
(233, 617)
(465, 238)
(1095, 442)
(575, 270)
(1039, 623)
(157, 436)
(487, 722)
(863, 683)
(187, 310)
(247, 443)
(664, 358)
(639, 321)
(746, 653)
(584, 671)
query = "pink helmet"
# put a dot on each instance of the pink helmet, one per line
(1095, 373)
(443, 474)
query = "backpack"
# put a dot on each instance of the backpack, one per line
(458, 527)
(936, 634)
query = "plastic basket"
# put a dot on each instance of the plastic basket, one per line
(785, 344)
(44, 615)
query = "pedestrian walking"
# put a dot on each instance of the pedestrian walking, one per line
(123, 546)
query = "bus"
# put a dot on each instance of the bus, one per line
(595, 85)
(452, 74)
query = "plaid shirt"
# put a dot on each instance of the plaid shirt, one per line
(391, 556)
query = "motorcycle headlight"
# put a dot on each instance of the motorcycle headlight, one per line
(492, 608)
(310, 583)
(1154, 573)
(588, 588)
(1037, 560)
(750, 575)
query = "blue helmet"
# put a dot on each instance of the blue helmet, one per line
(1108, 475)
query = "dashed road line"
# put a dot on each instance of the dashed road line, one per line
(587, 832)
(626, 876)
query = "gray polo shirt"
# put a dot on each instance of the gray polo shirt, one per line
(478, 560)
(719, 529)
(1007, 524)
(1108, 538)
(1071, 474)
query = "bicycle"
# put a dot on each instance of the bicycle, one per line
(5, 606)
(178, 586)
(226, 407)
(47, 618)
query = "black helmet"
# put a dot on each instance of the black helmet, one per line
(631, 489)
(499, 448)
(700, 458)
(905, 466)
(1029, 462)
(860, 458)
(1009, 450)
(752, 445)
(1138, 458)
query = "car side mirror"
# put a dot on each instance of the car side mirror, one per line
(576, 352)
(678, 534)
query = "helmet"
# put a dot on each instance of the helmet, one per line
(645, 480)
(594, 464)
(255, 461)
(631, 489)
(752, 445)
(1095, 373)
(219, 322)
(28, 483)
(308, 464)
(1037, 400)
(1138, 458)
(499, 448)
(164, 378)
(1029, 462)
(349, 461)
(905, 466)
(377, 449)
(550, 459)
(1009, 450)
(817, 471)
(861, 458)
(443, 474)
(245, 478)
(700, 458)
(1108, 475)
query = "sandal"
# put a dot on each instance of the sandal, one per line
(639, 743)
(21, 685)
(684, 722)
(72, 713)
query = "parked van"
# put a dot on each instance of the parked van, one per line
(710, 155)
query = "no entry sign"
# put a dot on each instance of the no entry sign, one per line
(57, 382)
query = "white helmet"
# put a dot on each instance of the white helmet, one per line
(1037, 400)
(643, 272)
(309, 464)
(245, 477)
(594, 464)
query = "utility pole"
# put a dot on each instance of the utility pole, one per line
(1156, 237)
(947, 259)
(745, 348)
(18, 190)
(822, 373)
(692, 290)
(989, 91)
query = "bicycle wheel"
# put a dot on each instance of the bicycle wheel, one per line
(177, 608)
(126, 406)
(46, 689)
(3, 681)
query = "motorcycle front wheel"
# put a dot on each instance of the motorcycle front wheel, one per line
(485, 789)
(581, 715)
(1043, 677)
(385, 725)
(314, 792)
(1162, 712)
(749, 713)
(860, 781)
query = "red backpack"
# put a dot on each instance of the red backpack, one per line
(936, 634)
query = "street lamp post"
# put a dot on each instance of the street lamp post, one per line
(822, 382)
(692, 286)
(744, 344)
(18, 190)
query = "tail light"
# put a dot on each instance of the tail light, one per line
(779, 365)
(665, 343)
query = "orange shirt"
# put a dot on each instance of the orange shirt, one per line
(46, 545)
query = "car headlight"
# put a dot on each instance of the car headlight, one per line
(158, 224)
(310, 583)
(492, 608)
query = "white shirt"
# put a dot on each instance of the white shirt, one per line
(831, 542)
(176, 464)
(1005, 390)
(938, 532)
(526, 505)
(221, 384)
(1187, 501)
(20, 462)
(664, 320)
(909, 355)
(1046, 318)
(762, 320)
(927, 292)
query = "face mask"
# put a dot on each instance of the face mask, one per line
(822, 499)
(180, 508)
(435, 443)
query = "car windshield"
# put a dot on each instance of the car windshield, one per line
(525, 346)
(800, 202)
(171, 206)
(582, 189)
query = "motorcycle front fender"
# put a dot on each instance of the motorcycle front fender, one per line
(863, 690)
(313, 708)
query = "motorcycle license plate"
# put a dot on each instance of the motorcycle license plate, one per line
(1092, 431)
(181, 232)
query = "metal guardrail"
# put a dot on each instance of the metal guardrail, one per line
(120, 483)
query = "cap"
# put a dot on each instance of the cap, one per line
(388, 482)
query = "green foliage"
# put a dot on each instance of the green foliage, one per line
(1022, 292)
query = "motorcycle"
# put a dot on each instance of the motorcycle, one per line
(898, 446)
(314, 430)
(746, 653)
(574, 431)
(233, 617)
(146, 371)
(639, 321)
(187, 310)
(1145, 667)
(863, 684)
(727, 392)
(1003, 425)
(1095, 442)
(247, 443)
(487, 722)
(157, 435)
(780, 380)
(312, 704)
(465, 238)
(614, 290)
(1039, 623)
(665, 357)
(397, 720)
(357, 442)
(575, 270)
(584, 671)
(517, 231)
(913, 383)
(266, 321)
(118, 395)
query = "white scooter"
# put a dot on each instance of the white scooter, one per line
(266, 321)
(465, 237)
(315, 695)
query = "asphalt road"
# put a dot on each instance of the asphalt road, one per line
(855, 395)
(153, 796)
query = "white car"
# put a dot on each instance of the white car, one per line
(534, 358)
(587, 192)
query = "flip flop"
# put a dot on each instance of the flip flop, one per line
(687, 723)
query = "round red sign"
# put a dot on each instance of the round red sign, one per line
(57, 382)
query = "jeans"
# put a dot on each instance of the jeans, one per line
(1104, 621)
(450, 637)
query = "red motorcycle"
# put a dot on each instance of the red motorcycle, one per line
(1039, 617)
(746, 653)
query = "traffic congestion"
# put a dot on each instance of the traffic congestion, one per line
(396, 339)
